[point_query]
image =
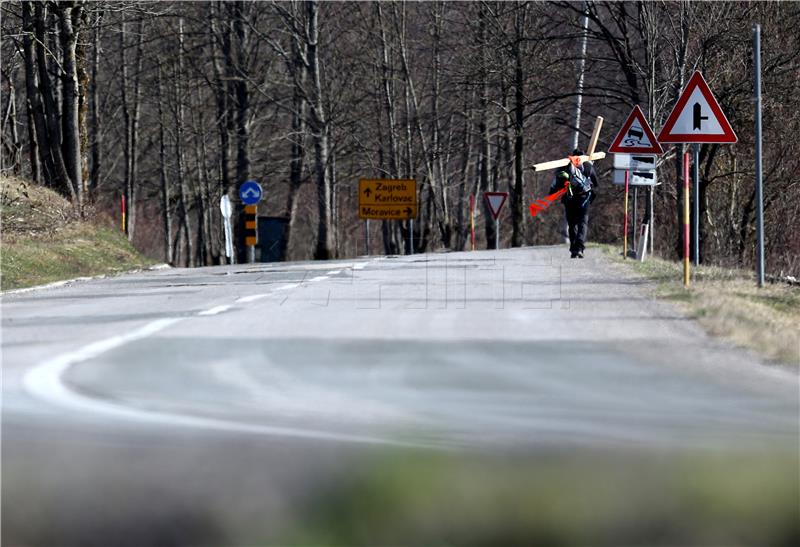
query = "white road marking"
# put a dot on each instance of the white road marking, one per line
(45, 382)
(287, 287)
(251, 298)
(334, 272)
(319, 278)
(359, 266)
(216, 310)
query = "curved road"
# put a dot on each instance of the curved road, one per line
(209, 402)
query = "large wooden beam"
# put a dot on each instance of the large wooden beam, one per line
(598, 123)
(590, 153)
(566, 161)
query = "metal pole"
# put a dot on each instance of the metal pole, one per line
(625, 223)
(497, 233)
(581, 69)
(686, 219)
(696, 207)
(411, 234)
(366, 235)
(635, 232)
(759, 181)
(472, 220)
(652, 220)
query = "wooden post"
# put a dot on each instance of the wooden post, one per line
(598, 123)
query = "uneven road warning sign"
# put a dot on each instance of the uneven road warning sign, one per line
(636, 136)
(387, 199)
(697, 117)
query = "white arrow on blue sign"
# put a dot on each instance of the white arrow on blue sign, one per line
(250, 192)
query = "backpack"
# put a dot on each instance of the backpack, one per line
(579, 183)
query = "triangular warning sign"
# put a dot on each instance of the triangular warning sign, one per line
(636, 136)
(697, 117)
(495, 201)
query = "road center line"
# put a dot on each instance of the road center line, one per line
(334, 272)
(251, 298)
(287, 287)
(44, 381)
(216, 310)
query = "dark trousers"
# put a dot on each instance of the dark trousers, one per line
(578, 219)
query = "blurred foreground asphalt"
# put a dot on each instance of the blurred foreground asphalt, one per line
(510, 397)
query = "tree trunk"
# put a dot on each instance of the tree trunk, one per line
(179, 154)
(517, 206)
(56, 175)
(483, 129)
(297, 152)
(166, 206)
(318, 124)
(69, 14)
(94, 116)
(130, 191)
(35, 111)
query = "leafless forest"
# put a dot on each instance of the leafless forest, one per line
(173, 104)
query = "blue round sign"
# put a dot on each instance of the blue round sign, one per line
(250, 192)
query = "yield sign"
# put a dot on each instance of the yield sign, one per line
(495, 201)
(636, 136)
(697, 117)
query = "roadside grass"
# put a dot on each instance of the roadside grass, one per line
(602, 499)
(728, 303)
(42, 241)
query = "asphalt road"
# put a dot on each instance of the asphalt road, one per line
(205, 406)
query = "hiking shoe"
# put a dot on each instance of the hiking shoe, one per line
(574, 255)
(580, 254)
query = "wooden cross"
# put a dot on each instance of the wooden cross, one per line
(590, 153)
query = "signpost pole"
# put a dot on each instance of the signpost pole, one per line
(652, 220)
(229, 241)
(497, 233)
(759, 181)
(635, 231)
(411, 234)
(625, 223)
(686, 219)
(472, 220)
(696, 204)
(366, 235)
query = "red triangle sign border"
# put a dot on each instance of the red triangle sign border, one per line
(486, 196)
(616, 145)
(728, 136)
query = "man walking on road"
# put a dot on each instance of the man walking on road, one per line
(581, 179)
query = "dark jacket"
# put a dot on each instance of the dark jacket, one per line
(588, 171)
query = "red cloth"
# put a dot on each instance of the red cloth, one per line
(541, 204)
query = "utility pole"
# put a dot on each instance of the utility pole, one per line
(759, 182)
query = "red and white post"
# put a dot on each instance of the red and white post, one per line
(686, 219)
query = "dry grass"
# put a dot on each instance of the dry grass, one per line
(43, 240)
(728, 303)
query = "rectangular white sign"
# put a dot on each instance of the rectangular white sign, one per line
(637, 178)
(635, 162)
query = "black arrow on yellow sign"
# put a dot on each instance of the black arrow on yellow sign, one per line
(367, 192)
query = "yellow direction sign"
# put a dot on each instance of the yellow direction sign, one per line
(387, 199)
